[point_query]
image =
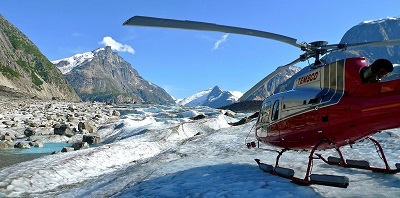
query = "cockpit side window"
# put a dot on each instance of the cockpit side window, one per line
(275, 111)
(265, 112)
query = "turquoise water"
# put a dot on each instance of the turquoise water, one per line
(47, 148)
(13, 156)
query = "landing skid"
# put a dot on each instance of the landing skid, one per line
(361, 164)
(327, 180)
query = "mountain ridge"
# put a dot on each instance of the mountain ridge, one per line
(368, 31)
(213, 97)
(102, 75)
(25, 71)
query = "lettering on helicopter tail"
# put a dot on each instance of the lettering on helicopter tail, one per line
(308, 78)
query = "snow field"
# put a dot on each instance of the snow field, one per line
(160, 152)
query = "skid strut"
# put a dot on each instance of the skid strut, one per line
(361, 164)
(329, 180)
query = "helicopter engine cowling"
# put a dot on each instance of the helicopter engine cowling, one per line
(376, 70)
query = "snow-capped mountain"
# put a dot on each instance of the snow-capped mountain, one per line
(214, 97)
(368, 31)
(102, 75)
(65, 65)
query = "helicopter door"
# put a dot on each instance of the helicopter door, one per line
(275, 111)
(264, 119)
(274, 127)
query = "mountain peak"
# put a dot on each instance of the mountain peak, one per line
(380, 20)
(213, 97)
(216, 90)
(108, 49)
(65, 65)
(103, 75)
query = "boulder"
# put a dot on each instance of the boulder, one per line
(198, 117)
(63, 129)
(67, 149)
(7, 122)
(91, 139)
(29, 132)
(87, 125)
(116, 113)
(6, 145)
(12, 136)
(51, 117)
(245, 120)
(33, 123)
(80, 145)
(36, 143)
(81, 126)
(7, 137)
(48, 106)
(229, 114)
(23, 145)
(71, 107)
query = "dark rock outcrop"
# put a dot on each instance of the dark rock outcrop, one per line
(24, 145)
(80, 145)
(273, 86)
(91, 139)
(63, 129)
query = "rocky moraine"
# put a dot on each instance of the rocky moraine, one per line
(27, 123)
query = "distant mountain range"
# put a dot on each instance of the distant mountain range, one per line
(214, 97)
(102, 75)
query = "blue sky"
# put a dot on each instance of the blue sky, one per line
(185, 62)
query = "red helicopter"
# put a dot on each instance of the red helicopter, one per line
(331, 105)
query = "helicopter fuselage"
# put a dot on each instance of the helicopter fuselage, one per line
(332, 102)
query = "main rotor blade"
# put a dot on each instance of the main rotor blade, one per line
(372, 43)
(195, 25)
(267, 79)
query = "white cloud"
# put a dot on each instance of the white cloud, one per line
(218, 43)
(108, 41)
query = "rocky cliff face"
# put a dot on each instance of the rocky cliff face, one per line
(102, 75)
(274, 85)
(25, 71)
(379, 30)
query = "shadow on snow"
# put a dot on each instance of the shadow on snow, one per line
(225, 180)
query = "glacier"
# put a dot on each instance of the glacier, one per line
(158, 151)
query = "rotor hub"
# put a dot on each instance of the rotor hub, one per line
(319, 43)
